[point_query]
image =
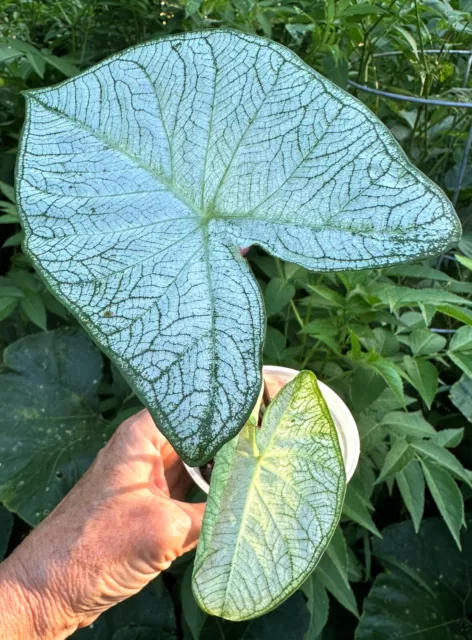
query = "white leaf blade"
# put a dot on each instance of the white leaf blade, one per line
(256, 549)
(127, 169)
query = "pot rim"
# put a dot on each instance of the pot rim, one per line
(343, 419)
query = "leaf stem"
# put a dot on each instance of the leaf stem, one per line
(297, 315)
(253, 440)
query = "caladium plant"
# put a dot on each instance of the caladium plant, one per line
(139, 181)
(276, 497)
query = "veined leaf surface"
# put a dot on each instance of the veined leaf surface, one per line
(139, 180)
(270, 517)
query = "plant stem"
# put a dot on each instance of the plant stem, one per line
(297, 315)
(420, 37)
(253, 433)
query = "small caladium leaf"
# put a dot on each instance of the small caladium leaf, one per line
(275, 499)
(140, 179)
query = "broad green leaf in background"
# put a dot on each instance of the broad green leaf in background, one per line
(149, 615)
(447, 497)
(425, 595)
(140, 179)
(50, 427)
(461, 396)
(256, 548)
(289, 621)
(410, 482)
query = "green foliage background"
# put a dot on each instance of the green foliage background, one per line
(396, 344)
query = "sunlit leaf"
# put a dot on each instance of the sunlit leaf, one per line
(140, 179)
(275, 499)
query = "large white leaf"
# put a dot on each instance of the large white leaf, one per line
(139, 180)
(272, 507)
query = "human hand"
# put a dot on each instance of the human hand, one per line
(121, 525)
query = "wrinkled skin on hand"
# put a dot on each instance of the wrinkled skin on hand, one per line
(121, 525)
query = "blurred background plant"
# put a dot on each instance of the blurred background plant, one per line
(395, 343)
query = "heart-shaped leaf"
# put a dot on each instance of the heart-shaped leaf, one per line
(139, 180)
(275, 499)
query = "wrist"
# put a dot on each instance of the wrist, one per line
(32, 608)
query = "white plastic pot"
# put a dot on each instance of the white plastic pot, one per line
(278, 377)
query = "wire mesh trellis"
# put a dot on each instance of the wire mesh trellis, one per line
(432, 102)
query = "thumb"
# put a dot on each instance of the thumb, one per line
(194, 513)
